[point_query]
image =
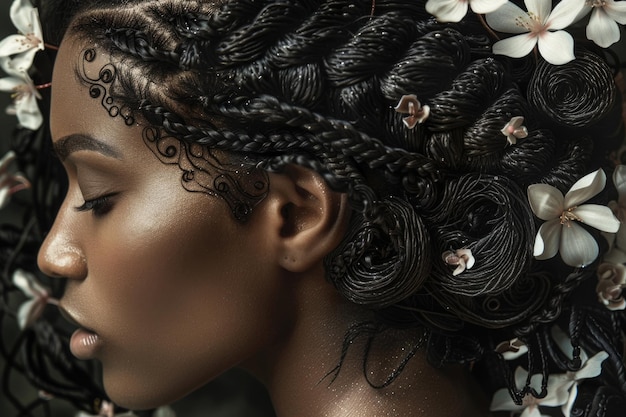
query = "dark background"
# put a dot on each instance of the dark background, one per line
(234, 394)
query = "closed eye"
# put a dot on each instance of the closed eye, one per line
(98, 206)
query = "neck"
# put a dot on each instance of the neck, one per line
(297, 371)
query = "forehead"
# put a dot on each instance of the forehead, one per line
(81, 89)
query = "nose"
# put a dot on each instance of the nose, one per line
(60, 254)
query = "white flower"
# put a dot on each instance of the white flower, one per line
(24, 46)
(461, 258)
(38, 296)
(514, 130)
(512, 349)
(590, 368)
(561, 231)
(611, 282)
(557, 395)
(602, 27)
(10, 183)
(24, 95)
(455, 10)
(409, 104)
(539, 26)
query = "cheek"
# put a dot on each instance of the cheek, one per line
(185, 297)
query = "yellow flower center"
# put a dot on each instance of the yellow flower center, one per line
(596, 3)
(31, 40)
(568, 215)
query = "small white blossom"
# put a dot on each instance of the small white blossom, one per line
(562, 389)
(611, 282)
(10, 183)
(409, 104)
(539, 26)
(514, 130)
(38, 296)
(591, 368)
(24, 46)
(24, 93)
(512, 349)
(461, 258)
(603, 26)
(455, 10)
(561, 232)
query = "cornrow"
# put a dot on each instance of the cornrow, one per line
(137, 43)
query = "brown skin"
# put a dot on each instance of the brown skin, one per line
(178, 298)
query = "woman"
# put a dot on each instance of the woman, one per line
(344, 199)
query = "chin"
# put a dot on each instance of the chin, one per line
(139, 395)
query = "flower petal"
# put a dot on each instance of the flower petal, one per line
(531, 411)
(12, 44)
(486, 6)
(164, 411)
(593, 367)
(567, 407)
(27, 283)
(6, 160)
(28, 112)
(505, 19)
(545, 201)
(557, 48)
(619, 179)
(578, 247)
(600, 217)
(25, 313)
(564, 13)
(616, 10)
(21, 15)
(558, 390)
(24, 61)
(602, 29)
(540, 8)
(9, 84)
(548, 240)
(585, 188)
(447, 10)
(617, 305)
(515, 46)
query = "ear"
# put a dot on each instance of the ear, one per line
(307, 218)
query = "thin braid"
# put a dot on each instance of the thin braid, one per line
(343, 136)
(137, 43)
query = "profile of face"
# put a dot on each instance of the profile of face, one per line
(175, 288)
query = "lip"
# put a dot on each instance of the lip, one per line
(70, 318)
(85, 342)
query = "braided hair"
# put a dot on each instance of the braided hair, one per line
(317, 84)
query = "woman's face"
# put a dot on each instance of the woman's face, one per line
(175, 288)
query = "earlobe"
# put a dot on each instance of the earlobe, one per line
(313, 218)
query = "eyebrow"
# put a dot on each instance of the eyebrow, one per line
(79, 142)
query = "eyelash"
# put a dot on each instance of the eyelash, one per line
(98, 206)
